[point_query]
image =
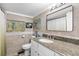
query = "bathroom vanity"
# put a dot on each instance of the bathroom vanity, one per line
(59, 47)
(38, 49)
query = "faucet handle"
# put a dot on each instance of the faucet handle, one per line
(49, 36)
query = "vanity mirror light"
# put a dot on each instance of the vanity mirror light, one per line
(60, 20)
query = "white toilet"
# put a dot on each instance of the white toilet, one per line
(26, 47)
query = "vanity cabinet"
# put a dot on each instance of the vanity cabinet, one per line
(34, 48)
(39, 50)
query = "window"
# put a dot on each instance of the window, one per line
(10, 26)
(19, 26)
(16, 26)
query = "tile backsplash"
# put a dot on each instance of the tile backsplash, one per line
(64, 39)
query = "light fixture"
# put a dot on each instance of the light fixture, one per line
(56, 5)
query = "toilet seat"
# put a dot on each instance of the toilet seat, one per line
(26, 46)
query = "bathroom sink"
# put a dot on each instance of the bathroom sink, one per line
(45, 40)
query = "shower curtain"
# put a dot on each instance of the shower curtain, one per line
(2, 33)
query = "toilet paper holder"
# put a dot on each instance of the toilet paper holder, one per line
(23, 36)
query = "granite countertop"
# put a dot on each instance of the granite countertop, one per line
(63, 48)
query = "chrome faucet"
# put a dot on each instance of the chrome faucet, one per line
(51, 37)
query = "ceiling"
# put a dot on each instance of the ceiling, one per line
(30, 9)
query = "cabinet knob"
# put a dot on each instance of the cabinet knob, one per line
(38, 54)
(35, 51)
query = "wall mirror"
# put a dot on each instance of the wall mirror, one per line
(60, 20)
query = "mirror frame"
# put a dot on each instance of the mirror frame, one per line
(57, 11)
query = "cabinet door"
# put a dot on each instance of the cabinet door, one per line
(34, 45)
(56, 54)
(41, 53)
(34, 52)
(45, 51)
(34, 48)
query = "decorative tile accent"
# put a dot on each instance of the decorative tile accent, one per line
(69, 40)
(65, 39)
